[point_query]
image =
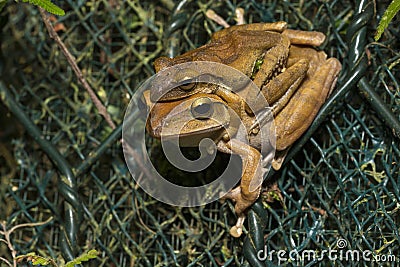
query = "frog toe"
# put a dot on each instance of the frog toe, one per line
(237, 229)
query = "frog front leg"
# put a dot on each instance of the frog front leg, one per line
(233, 100)
(250, 186)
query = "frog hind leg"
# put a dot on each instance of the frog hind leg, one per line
(250, 186)
(274, 79)
(278, 91)
(310, 38)
(302, 108)
(273, 26)
(273, 61)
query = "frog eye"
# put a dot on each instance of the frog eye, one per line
(188, 86)
(202, 108)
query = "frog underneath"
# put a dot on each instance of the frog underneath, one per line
(292, 76)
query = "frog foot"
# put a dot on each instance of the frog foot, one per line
(279, 159)
(237, 229)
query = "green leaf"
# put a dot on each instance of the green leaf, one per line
(35, 259)
(47, 5)
(389, 14)
(2, 4)
(91, 254)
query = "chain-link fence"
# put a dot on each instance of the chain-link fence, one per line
(59, 159)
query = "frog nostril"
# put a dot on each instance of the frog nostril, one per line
(202, 108)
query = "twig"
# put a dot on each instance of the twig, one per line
(29, 225)
(7, 238)
(6, 261)
(72, 62)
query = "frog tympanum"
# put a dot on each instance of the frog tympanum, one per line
(294, 78)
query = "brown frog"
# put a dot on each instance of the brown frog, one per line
(293, 77)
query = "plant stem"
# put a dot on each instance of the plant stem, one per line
(72, 62)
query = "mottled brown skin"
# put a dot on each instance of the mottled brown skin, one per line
(294, 78)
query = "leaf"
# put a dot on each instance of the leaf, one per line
(91, 254)
(387, 17)
(2, 4)
(47, 5)
(35, 259)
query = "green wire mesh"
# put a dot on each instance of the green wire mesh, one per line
(58, 158)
